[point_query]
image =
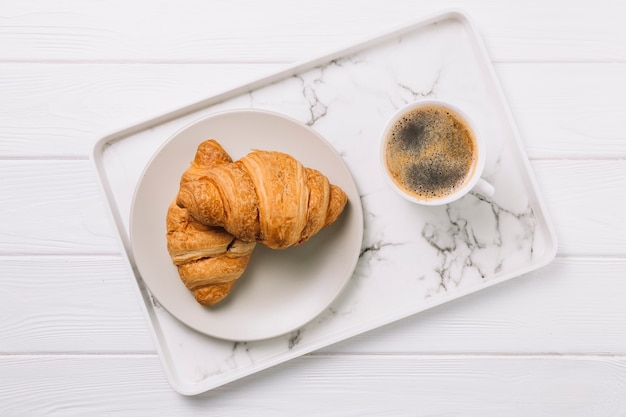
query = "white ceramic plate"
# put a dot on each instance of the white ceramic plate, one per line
(280, 291)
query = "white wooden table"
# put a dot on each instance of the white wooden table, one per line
(73, 340)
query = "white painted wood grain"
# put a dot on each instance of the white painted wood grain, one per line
(404, 385)
(587, 203)
(55, 207)
(71, 304)
(568, 110)
(72, 337)
(238, 31)
(52, 206)
(60, 110)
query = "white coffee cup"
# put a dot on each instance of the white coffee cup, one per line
(432, 153)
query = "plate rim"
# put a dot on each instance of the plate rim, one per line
(355, 203)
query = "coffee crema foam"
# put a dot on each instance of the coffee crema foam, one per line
(430, 152)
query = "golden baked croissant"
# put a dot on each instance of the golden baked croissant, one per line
(209, 259)
(267, 197)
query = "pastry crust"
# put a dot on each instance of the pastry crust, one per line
(212, 294)
(223, 208)
(189, 240)
(224, 197)
(208, 154)
(280, 182)
(209, 259)
(267, 197)
(208, 271)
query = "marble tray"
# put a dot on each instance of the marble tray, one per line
(412, 258)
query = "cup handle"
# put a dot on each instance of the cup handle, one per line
(483, 188)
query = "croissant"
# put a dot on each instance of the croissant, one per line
(209, 260)
(265, 197)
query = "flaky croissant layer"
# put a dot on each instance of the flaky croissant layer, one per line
(208, 259)
(223, 208)
(267, 196)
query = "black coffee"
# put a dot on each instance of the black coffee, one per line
(430, 152)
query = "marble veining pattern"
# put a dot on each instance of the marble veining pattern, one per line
(424, 254)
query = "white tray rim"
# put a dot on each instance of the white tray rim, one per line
(97, 164)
